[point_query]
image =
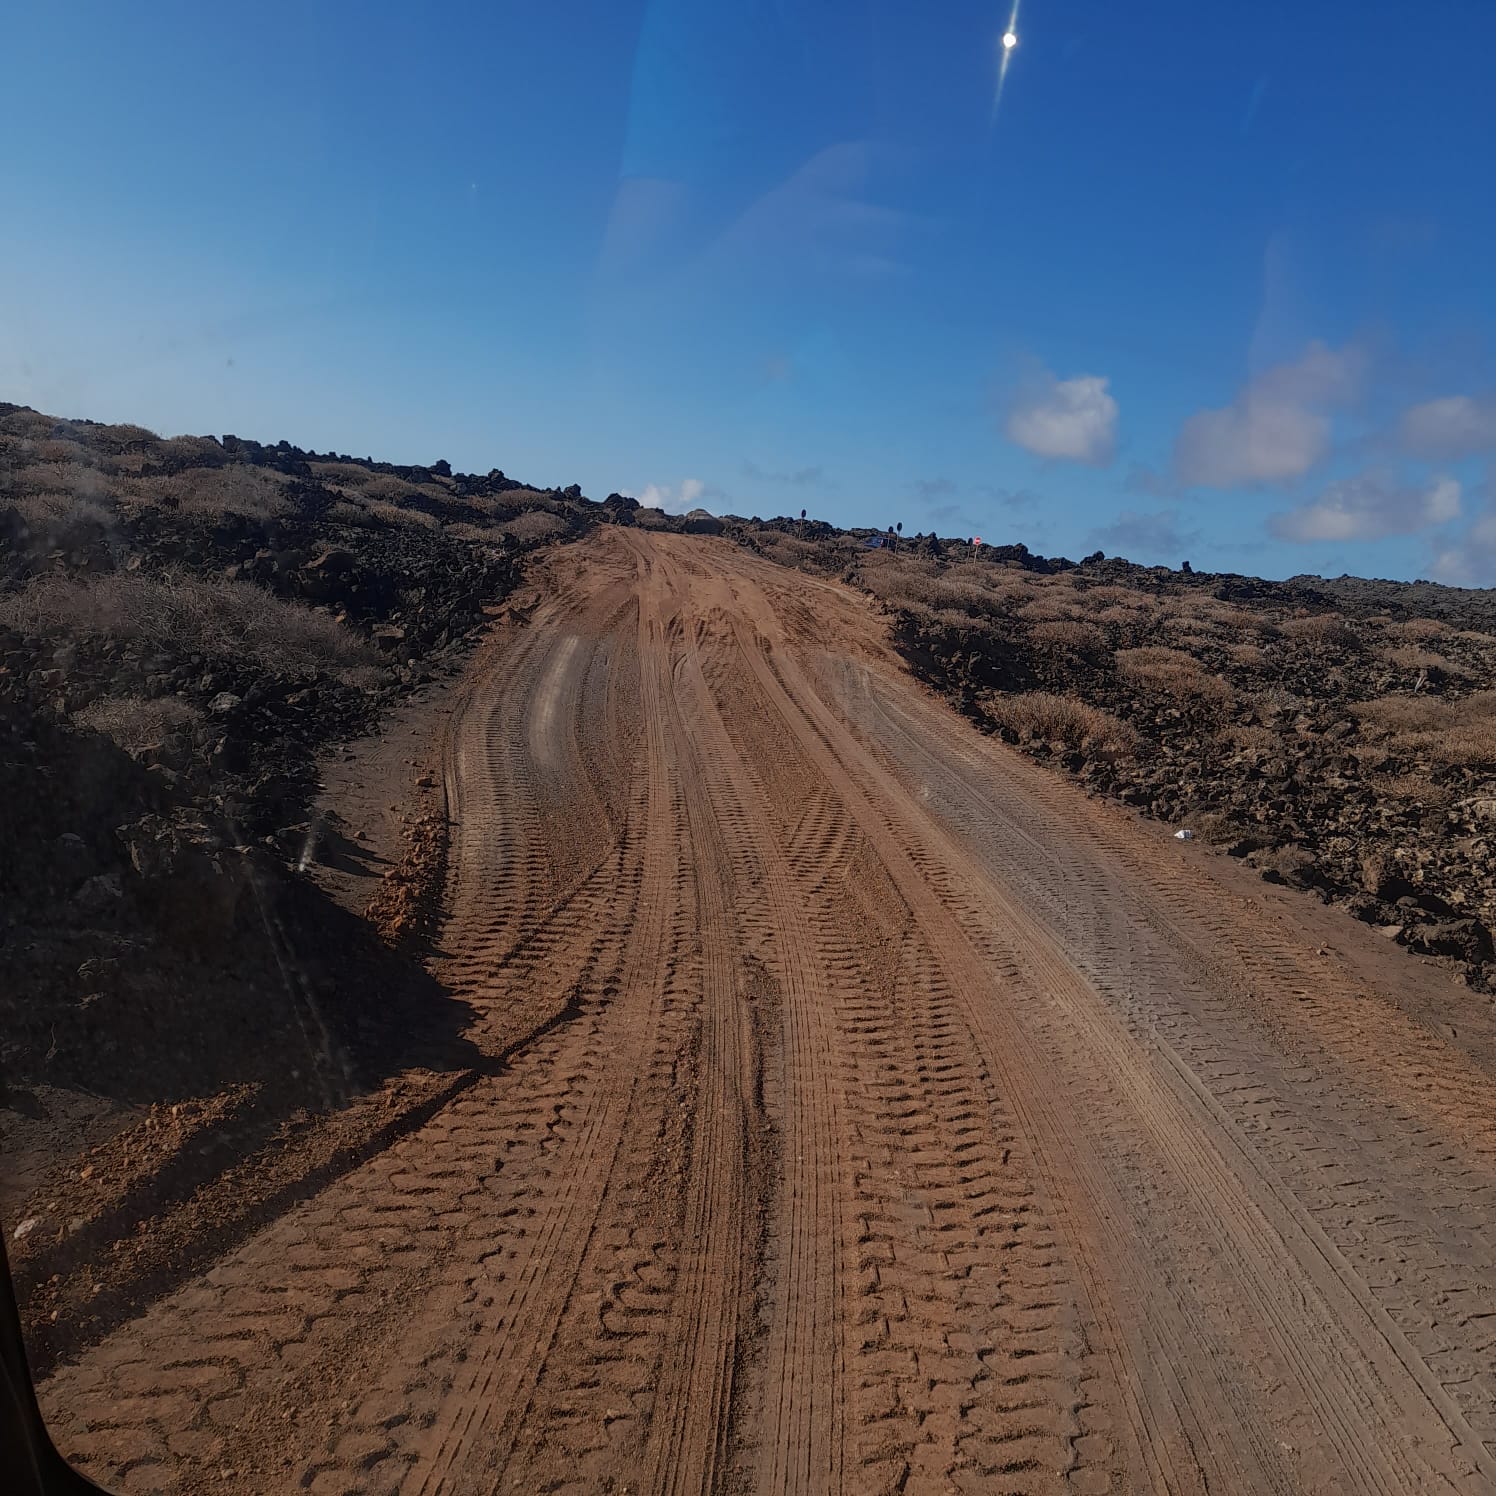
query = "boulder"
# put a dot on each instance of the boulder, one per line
(699, 522)
(1464, 939)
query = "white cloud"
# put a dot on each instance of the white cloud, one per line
(1278, 426)
(1074, 420)
(1471, 560)
(1452, 426)
(1370, 507)
(673, 501)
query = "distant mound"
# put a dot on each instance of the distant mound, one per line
(700, 522)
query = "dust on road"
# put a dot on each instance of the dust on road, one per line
(869, 1111)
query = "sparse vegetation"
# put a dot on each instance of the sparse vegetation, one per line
(138, 723)
(1303, 725)
(1043, 715)
(172, 611)
(186, 626)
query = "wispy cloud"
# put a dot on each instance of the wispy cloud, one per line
(1278, 426)
(1370, 506)
(1069, 420)
(806, 477)
(1009, 498)
(1149, 482)
(933, 488)
(1450, 427)
(1159, 533)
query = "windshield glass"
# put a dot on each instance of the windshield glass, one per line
(750, 746)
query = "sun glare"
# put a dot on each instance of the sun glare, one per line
(1007, 42)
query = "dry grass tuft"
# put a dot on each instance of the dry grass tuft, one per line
(255, 493)
(1052, 608)
(231, 619)
(1322, 631)
(1450, 732)
(1171, 672)
(1418, 630)
(1062, 719)
(536, 524)
(1409, 657)
(1252, 738)
(1071, 636)
(136, 723)
(393, 514)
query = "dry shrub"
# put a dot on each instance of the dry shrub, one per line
(1190, 640)
(1123, 597)
(789, 550)
(1188, 625)
(493, 507)
(344, 474)
(1322, 631)
(28, 423)
(1062, 719)
(393, 514)
(1216, 826)
(1450, 732)
(227, 619)
(1051, 608)
(1077, 638)
(1248, 656)
(918, 585)
(1401, 714)
(136, 723)
(393, 490)
(1414, 786)
(968, 593)
(255, 493)
(1286, 859)
(1409, 657)
(194, 451)
(125, 437)
(476, 535)
(1007, 586)
(1417, 630)
(1251, 738)
(57, 449)
(1171, 672)
(70, 478)
(1225, 615)
(535, 524)
(58, 512)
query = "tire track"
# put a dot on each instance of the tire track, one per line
(874, 1114)
(1420, 1212)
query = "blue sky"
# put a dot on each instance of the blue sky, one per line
(1210, 281)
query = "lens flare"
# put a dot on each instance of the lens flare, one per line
(1007, 44)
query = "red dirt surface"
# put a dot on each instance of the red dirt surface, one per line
(865, 1109)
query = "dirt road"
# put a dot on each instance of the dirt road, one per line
(870, 1111)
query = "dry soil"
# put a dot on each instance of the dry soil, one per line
(866, 1109)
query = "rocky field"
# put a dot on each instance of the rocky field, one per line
(188, 627)
(1339, 735)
